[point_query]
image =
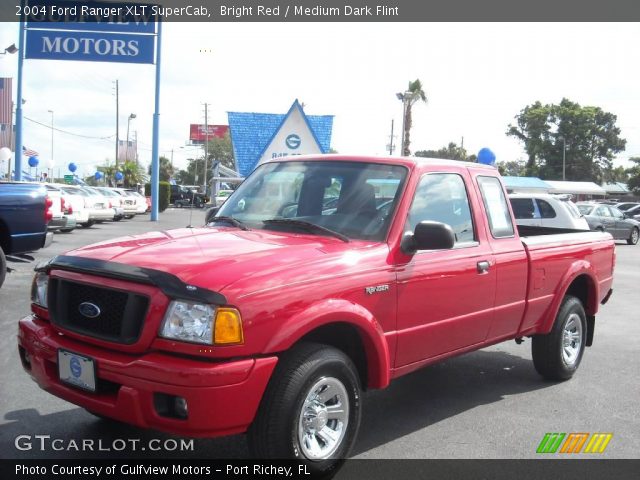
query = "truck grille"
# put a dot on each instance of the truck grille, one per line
(118, 318)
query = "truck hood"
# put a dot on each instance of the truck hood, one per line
(215, 258)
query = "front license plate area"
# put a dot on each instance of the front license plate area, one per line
(77, 370)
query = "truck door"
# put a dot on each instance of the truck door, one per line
(511, 262)
(445, 297)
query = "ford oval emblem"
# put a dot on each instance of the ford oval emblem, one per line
(89, 310)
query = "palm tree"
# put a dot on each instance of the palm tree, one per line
(413, 94)
(133, 173)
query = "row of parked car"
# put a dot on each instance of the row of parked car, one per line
(75, 206)
(621, 220)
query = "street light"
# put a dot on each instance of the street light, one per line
(403, 97)
(11, 49)
(51, 112)
(131, 117)
(564, 153)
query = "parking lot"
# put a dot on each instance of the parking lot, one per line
(487, 404)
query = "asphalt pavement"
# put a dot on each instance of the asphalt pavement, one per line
(486, 404)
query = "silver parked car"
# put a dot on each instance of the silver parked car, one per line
(607, 218)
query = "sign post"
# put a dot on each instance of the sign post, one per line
(123, 39)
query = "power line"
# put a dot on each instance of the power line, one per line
(48, 127)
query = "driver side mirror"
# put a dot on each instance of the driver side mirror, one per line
(428, 236)
(210, 214)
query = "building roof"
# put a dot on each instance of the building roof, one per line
(252, 132)
(580, 188)
(529, 183)
(616, 187)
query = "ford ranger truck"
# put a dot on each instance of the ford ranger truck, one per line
(320, 277)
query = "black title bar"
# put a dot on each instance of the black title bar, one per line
(326, 10)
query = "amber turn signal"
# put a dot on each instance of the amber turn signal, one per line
(228, 327)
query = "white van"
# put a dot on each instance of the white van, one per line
(546, 210)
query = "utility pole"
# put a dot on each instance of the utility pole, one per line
(135, 135)
(117, 122)
(391, 146)
(206, 145)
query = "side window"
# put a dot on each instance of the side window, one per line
(442, 197)
(523, 208)
(546, 210)
(603, 212)
(496, 206)
(616, 213)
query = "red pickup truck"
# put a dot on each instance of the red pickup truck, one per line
(318, 278)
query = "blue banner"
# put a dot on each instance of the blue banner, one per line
(91, 16)
(90, 46)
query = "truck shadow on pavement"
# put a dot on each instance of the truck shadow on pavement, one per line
(409, 404)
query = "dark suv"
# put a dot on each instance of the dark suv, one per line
(182, 196)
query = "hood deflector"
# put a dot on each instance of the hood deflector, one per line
(168, 283)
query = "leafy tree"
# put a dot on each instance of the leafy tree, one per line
(634, 176)
(532, 129)
(220, 149)
(414, 94)
(618, 174)
(513, 168)
(451, 152)
(588, 135)
(166, 170)
(188, 176)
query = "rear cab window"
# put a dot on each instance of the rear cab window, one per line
(495, 204)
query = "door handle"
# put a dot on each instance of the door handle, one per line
(483, 266)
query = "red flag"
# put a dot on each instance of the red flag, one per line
(6, 102)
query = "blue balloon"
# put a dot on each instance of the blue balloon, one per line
(119, 176)
(486, 157)
(72, 167)
(33, 161)
(98, 175)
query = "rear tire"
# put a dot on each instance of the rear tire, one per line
(633, 238)
(311, 409)
(3, 267)
(88, 224)
(557, 355)
(67, 230)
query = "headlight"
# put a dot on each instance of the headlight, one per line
(201, 323)
(39, 289)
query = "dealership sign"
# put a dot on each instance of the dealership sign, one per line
(72, 33)
(90, 46)
(294, 137)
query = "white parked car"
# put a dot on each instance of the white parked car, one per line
(116, 201)
(78, 199)
(128, 202)
(100, 208)
(546, 210)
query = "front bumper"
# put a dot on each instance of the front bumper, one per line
(101, 214)
(222, 397)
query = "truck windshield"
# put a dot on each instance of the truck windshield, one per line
(353, 199)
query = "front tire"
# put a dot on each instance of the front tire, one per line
(557, 355)
(311, 409)
(3, 266)
(633, 238)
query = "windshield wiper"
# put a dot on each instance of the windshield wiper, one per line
(233, 221)
(312, 227)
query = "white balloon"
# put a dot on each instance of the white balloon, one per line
(5, 154)
(48, 163)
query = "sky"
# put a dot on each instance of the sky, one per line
(477, 77)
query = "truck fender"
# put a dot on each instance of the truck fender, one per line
(577, 269)
(338, 311)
